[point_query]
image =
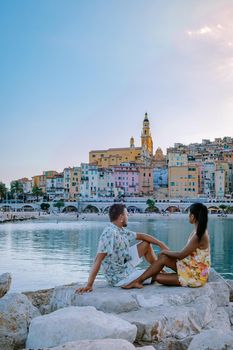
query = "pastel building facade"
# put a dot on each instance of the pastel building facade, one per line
(72, 183)
(126, 179)
(26, 184)
(183, 181)
(40, 182)
(146, 186)
(177, 159)
(55, 186)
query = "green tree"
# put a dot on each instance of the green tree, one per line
(3, 190)
(151, 205)
(230, 210)
(16, 189)
(59, 204)
(37, 192)
(45, 206)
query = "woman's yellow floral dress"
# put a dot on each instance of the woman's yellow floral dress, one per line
(193, 271)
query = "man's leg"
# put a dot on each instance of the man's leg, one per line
(153, 271)
(145, 250)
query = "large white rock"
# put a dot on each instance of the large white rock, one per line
(220, 320)
(117, 300)
(100, 344)
(221, 293)
(229, 311)
(104, 298)
(77, 323)
(5, 283)
(230, 285)
(161, 322)
(212, 340)
(16, 313)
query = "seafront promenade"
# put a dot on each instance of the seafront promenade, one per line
(45, 217)
(138, 205)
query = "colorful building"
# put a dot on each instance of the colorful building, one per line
(146, 186)
(116, 156)
(40, 182)
(55, 186)
(72, 183)
(126, 179)
(183, 181)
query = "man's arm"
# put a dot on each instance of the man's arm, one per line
(95, 269)
(150, 239)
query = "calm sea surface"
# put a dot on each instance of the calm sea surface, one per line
(44, 254)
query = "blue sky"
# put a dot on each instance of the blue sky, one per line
(79, 75)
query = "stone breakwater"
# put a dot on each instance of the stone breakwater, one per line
(17, 217)
(155, 317)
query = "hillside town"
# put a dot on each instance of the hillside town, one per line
(198, 170)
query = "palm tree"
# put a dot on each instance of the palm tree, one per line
(37, 192)
(3, 190)
(16, 188)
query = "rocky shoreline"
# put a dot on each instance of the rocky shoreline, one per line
(17, 217)
(156, 317)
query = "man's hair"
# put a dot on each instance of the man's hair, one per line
(115, 211)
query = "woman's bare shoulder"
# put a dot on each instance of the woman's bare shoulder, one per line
(204, 244)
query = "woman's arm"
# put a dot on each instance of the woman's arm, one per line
(150, 239)
(191, 246)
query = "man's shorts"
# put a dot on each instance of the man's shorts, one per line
(135, 261)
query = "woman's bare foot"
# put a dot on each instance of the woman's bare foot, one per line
(133, 284)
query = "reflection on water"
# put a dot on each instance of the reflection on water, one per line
(42, 255)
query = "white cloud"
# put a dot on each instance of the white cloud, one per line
(202, 31)
(214, 42)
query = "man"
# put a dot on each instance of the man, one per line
(117, 257)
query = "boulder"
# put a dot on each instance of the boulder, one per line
(5, 283)
(117, 300)
(229, 311)
(230, 285)
(77, 323)
(158, 324)
(221, 292)
(16, 313)
(174, 344)
(104, 298)
(220, 320)
(212, 340)
(99, 344)
(41, 299)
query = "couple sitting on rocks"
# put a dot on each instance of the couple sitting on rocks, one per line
(119, 259)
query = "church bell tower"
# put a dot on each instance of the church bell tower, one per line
(146, 139)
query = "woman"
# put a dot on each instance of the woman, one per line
(191, 265)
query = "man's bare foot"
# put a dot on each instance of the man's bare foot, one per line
(133, 284)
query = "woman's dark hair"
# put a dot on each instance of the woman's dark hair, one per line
(200, 213)
(115, 211)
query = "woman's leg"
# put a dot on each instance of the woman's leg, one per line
(152, 271)
(168, 279)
